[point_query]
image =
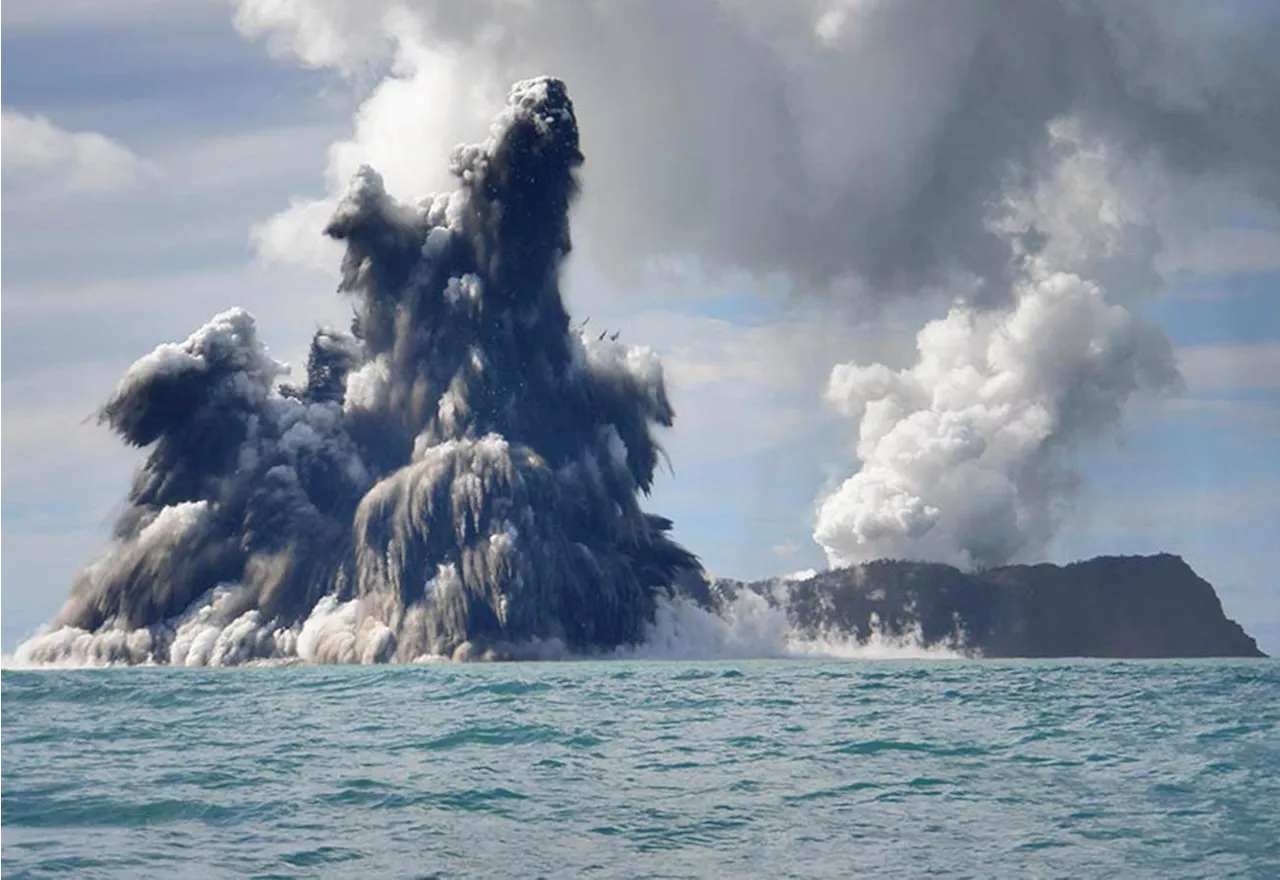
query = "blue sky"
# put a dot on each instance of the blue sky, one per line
(220, 136)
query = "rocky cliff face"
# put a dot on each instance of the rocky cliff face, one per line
(1127, 606)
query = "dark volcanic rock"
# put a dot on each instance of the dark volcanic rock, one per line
(1112, 606)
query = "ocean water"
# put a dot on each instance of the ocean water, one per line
(801, 768)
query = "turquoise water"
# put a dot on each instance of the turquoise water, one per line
(646, 769)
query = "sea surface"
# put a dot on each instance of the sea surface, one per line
(803, 768)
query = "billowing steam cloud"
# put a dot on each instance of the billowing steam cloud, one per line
(963, 454)
(1026, 159)
(960, 452)
(458, 475)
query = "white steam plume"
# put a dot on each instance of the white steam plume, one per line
(962, 453)
(958, 451)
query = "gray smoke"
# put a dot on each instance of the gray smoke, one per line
(854, 143)
(1025, 160)
(460, 474)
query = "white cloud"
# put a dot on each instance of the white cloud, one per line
(406, 129)
(835, 23)
(296, 236)
(329, 33)
(40, 154)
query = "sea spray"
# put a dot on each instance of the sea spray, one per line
(747, 626)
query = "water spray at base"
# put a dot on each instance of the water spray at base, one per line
(745, 625)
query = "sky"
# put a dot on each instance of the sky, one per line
(164, 161)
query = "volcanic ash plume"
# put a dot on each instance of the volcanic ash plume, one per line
(458, 476)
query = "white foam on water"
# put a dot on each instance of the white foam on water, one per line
(750, 627)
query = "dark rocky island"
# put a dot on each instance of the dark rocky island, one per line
(1111, 606)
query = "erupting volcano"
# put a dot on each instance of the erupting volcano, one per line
(459, 476)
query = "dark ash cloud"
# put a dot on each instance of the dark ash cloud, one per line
(459, 476)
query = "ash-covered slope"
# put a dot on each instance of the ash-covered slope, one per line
(461, 471)
(1126, 606)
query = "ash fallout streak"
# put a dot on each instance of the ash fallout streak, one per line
(458, 476)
